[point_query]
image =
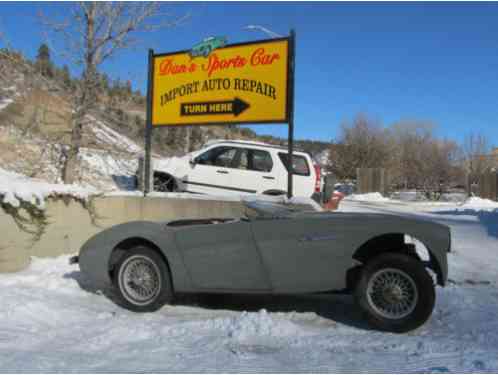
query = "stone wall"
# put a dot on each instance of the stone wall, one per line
(70, 224)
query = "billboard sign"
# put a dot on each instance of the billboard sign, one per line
(215, 83)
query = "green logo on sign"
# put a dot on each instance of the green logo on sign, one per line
(207, 46)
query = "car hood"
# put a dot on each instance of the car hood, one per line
(176, 166)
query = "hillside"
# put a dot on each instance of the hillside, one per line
(35, 126)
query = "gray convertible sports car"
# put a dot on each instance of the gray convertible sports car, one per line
(276, 249)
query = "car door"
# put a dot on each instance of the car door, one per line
(303, 174)
(253, 171)
(222, 257)
(210, 174)
(303, 254)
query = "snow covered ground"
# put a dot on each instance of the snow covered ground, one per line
(52, 320)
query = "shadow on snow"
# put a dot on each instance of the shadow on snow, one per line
(339, 308)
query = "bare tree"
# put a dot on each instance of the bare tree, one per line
(92, 33)
(411, 143)
(476, 154)
(420, 160)
(411, 153)
(361, 144)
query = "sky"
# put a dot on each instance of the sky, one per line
(431, 62)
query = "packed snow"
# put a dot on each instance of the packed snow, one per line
(476, 203)
(368, 197)
(53, 320)
(107, 136)
(15, 188)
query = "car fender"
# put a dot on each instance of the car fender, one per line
(435, 237)
(95, 254)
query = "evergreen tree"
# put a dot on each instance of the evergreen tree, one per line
(43, 62)
(66, 77)
(128, 89)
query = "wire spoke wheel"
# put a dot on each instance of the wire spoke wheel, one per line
(392, 293)
(140, 280)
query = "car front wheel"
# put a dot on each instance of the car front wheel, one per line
(142, 280)
(395, 292)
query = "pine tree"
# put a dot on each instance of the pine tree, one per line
(66, 77)
(128, 89)
(43, 63)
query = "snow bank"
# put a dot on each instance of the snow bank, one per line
(479, 204)
(369, 197)
(409, 196)
(102, 161)
(15, 188)
(106, 135)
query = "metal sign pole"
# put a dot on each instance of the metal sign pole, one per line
(148, 124)
(290, 103)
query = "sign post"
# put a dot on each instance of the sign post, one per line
(148, 124)
(218, 84)
(290, 100)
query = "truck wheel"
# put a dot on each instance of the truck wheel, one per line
(142, 280)
(395, 292)
(164, 182)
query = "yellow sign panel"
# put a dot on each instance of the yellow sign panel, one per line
(240, 83)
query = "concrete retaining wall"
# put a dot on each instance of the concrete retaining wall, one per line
(70, 225)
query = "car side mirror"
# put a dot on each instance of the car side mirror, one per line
(193, 161)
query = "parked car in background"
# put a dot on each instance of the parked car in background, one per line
(239, 167)
(346, 188)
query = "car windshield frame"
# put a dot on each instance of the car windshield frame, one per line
(267, 210)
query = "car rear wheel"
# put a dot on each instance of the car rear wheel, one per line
(395, 292)
(142, 280)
